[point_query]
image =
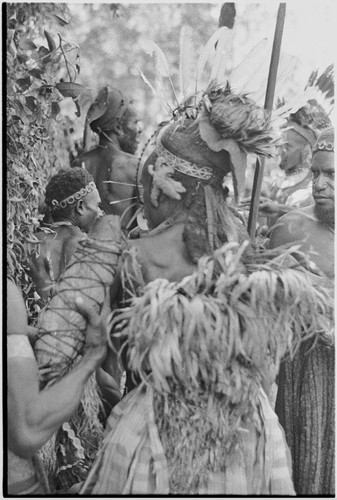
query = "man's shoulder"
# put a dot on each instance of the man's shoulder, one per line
(292, 227)
(299, 214)
(58, 235)
(67, 234)
(88, 157)
(123, 159)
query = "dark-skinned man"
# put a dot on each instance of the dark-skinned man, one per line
(113, 163)
(305, 400)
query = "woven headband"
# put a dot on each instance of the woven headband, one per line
(74, 197)
(306, 133)
(324, 146)
(183, 166)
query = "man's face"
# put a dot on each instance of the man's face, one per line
(291, 151)
(129, 139)
(91, 210)
(323, 185)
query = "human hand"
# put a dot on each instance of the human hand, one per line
(269, 208)
(245, 202)
(95, 347)
(39, 270)
(109, 389)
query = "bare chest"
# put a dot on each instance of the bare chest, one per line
(319, 245)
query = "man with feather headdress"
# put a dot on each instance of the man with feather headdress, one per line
(292, 188)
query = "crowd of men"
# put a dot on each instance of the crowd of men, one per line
(188, 217)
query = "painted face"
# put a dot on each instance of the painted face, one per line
(290, 152)
(129, 139)
(92, 210)
(323, 183)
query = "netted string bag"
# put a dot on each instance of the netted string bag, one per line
(60, 345)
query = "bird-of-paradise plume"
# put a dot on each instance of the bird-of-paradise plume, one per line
(216, 43)
(186, 62)
(161, 67)
(319, 88)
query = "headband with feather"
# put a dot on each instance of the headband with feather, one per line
(227, 121)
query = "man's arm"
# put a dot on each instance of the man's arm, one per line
(287, 230)
(267, 207)
(69, 248)
(34, 415)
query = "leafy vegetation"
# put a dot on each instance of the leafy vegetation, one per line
(41, 71)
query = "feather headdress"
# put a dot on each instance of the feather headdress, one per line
(225, 120)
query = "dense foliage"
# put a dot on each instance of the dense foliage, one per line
(41, 71)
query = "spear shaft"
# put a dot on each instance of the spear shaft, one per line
(268, 105)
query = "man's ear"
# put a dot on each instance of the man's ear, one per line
(117, 128)
(79, 207)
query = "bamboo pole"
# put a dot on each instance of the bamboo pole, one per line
(268, 105)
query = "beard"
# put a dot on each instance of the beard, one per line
(325, 215)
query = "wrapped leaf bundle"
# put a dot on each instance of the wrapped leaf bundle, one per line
(69, 454)
(88, 275)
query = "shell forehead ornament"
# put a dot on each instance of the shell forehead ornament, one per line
(74, 197)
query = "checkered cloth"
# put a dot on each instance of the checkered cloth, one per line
(132, 460)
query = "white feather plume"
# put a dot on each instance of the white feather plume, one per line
(222, 55)
(208, 52)
(186, 62)
(161, 66)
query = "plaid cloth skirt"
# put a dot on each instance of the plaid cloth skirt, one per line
(132, 460)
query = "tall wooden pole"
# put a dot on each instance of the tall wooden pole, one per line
(268, 105)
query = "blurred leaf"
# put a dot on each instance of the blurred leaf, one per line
(26, 44)
(31, 118)
(24, 83)
(18, 105)
(50, 40)
(16, 118)
(22, 58)
(10, 33)
(56, 58)
(15, 199)
(61, 21)
(70, 89)
(35, 55)
(36, 73)
(78, 68)
(78, 108)
(55, 109)
(31, 103)
(43, 51)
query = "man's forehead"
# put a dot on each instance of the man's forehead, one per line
(324, 160)
(293, 136)
(93, 195)
(131, 113)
